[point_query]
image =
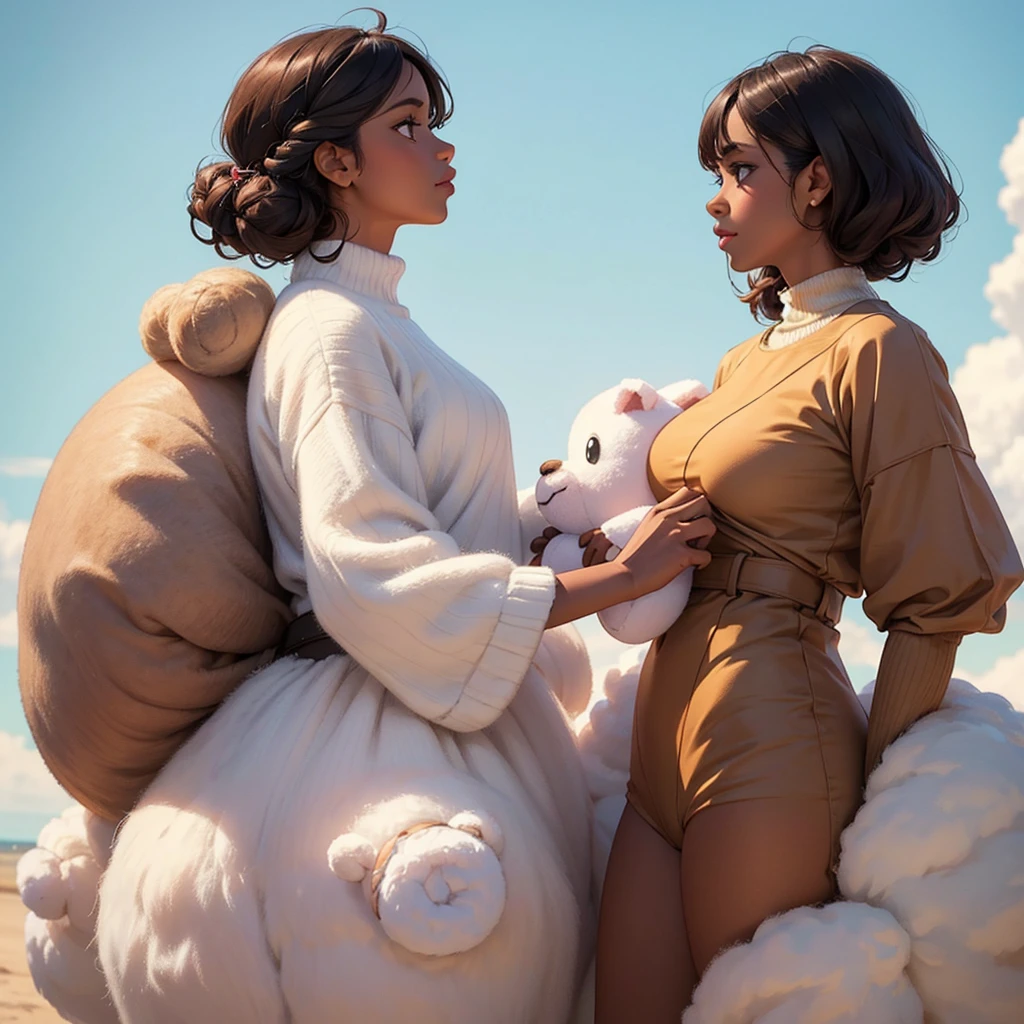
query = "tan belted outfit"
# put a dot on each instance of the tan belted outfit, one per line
(835, 465)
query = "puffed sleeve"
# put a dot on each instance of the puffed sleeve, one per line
(937, 559)
(450, 634)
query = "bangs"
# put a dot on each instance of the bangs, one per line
(713, 137)
(441, 102)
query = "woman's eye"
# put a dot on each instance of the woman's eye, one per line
(593, 449)
(406, 127)
(741, 171)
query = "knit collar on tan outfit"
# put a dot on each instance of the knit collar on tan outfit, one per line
(811, 304)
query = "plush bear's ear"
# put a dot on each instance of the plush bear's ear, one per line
(635, 395)
(684, 393)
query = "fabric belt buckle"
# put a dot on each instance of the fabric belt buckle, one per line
(732, 583)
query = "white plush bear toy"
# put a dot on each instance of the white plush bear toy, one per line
(604, 483)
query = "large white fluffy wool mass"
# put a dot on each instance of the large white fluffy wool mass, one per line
(58, 881)
(845, 962)
(939, 843)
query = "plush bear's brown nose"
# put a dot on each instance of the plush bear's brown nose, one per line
(551, 466)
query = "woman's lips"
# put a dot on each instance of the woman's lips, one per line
(724, 237)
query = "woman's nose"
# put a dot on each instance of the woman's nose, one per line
(716, 205)
(551, 466)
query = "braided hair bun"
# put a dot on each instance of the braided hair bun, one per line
(268, 201)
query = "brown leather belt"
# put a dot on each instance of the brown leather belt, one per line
(306, 638)
(771, 577)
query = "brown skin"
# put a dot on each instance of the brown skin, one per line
(765, 214)
(404, 173)
(403, 178)
(669, 539)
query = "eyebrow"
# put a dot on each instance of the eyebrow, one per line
(732, 147)
(412, 101)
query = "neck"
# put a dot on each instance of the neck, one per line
(809, 262)
(369, 233)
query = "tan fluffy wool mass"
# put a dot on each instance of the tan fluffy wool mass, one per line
(212, 324)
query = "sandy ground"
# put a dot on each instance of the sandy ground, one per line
(20, 1003)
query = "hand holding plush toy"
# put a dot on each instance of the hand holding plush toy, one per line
(604, 484)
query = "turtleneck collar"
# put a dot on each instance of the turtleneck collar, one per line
(811, 304)
(367, 272)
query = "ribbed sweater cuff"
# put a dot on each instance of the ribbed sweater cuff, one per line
(912, 679)
(516, 637)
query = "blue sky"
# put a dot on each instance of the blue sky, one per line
(577, 251)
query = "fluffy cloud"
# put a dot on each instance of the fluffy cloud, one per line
(25, 782)
(12, 541)
(1005, 677)
(24, 466)
(990, 383)
(859, 645)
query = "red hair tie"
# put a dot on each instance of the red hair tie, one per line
(237, 173)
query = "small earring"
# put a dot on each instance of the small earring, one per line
(814, 202)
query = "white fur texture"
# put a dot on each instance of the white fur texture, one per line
(844, 962)
(443, 892)
(227, 895)
(563, 662)
(939, 843)
(603, 482)
(604, 734)
(58, 881)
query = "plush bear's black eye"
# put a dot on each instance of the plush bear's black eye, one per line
(593, 449)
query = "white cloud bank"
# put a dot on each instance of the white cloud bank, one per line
(24, 465)
(990, 383)
(12, 542)
(26, 784)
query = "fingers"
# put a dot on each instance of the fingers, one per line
(697, 558)
(597, 549)
(694, 530)
(684, 496)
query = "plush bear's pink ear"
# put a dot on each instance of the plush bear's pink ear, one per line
(635, 395)
(684, 393)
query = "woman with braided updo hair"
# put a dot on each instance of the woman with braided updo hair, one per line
(390, 820)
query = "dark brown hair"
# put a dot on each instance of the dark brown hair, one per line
(892, 196)
(315, 87)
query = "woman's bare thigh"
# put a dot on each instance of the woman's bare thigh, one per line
(644, 971)
(746, 861)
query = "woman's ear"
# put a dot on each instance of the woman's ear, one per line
(812, 185)
(337, 165)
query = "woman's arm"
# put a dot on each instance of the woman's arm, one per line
(670, 539)
(936, 558)
(912, 679)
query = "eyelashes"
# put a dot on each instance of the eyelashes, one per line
(411, 124)
(738, 171)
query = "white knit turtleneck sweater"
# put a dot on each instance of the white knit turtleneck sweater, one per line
(386, 474)
(811, 304)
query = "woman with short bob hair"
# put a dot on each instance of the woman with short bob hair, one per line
(836, 462)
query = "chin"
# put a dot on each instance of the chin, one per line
(741, 265)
